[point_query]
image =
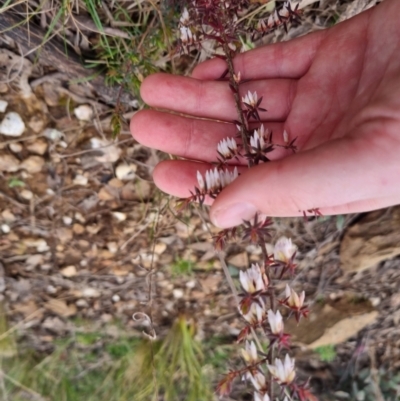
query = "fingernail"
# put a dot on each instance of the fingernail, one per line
(233, 215)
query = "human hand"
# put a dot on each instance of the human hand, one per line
(337, 91)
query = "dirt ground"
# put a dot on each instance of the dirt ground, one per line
(85, 234)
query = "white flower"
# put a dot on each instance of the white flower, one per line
(251, 99)
(285, 137)
(284, 13)
(271, 21)
(187, 36)
(284, 250)
(275, 321)
(258, 138)
(253, 279)
(227, 147)
(256, 313)
(261, 397)
(185, 18)
(283, 372)
(258, 381)
(200, 180)
(216, 179)
(262, 26)
(293, 299)
(250, 352)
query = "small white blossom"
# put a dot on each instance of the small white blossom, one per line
(237, 77)
(284, 13)
(271, 21)
(284, 250)
(258, 139)
(256, 313)
(216, 179)
(227, 147)
(250, 352)
(276, 322)
(185, 18)
(258, 381)
(261, 397)
(293, 299)
(251, 99)
(283, 372)
(187, 37)
(261, 26)
(253, 279)
(285, 137)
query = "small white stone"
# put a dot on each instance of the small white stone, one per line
(67, 220)
(90, 292)
(81, 303)
(50, 289)
(3, 106)
(119, 216)
(191, 284)
(12, 125)
(110, 152)
(41, 245)
(69, 271)
(84, 112)
(112, 247)
(116, 298)
(50, 192)
(53, 134)
(80, 218)
(15, 147)
(177, 293)
(80, 180)
(5, 228)
(26, 194)
(8, 216)
(125, 171)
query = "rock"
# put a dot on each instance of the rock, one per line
(345, 329)
(15, 147)
(5, 228)
(112, 247)
(69, 271)
(116, 298)
(64, 235)
(3, 106)
(53, 134)
(240, 260)
(33, 164)
(108, 153)
(33, 261)
(373, 239)
(50, 94)
(39, 147)
(54, 324)
(119, 216)
(36, 124)
(81, 303)
(125, 171)
(90, 292)
(12, 125)
(159, 248)
(8, 216)
(177, 293)
(67, 220)
(78, 228)
(84, 112)
(26, 194)
(8, 163)
(80, 180)
(105, 195)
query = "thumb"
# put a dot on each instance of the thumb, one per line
(330, 177)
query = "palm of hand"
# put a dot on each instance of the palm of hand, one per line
(337, 91)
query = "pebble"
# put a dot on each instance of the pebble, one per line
(26, 194)
(36, 124)
(116, 298)
(8, 163)
(125, 171)
(191, 284)
(177, 293)
(69, 271)
(12, 125)
(119, 216)
(81, 303)
(50, 289)
(90, 292)
(3, 106)
(67, 220)
(112, 247)
(7, 215)
(110, 153)
(15, 147)
(84, 112)
(53, 134)
(33, 164)
(78, 228)
(80, 180)
(5, 228)
(39, 147)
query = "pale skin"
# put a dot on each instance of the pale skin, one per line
(336, 90)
